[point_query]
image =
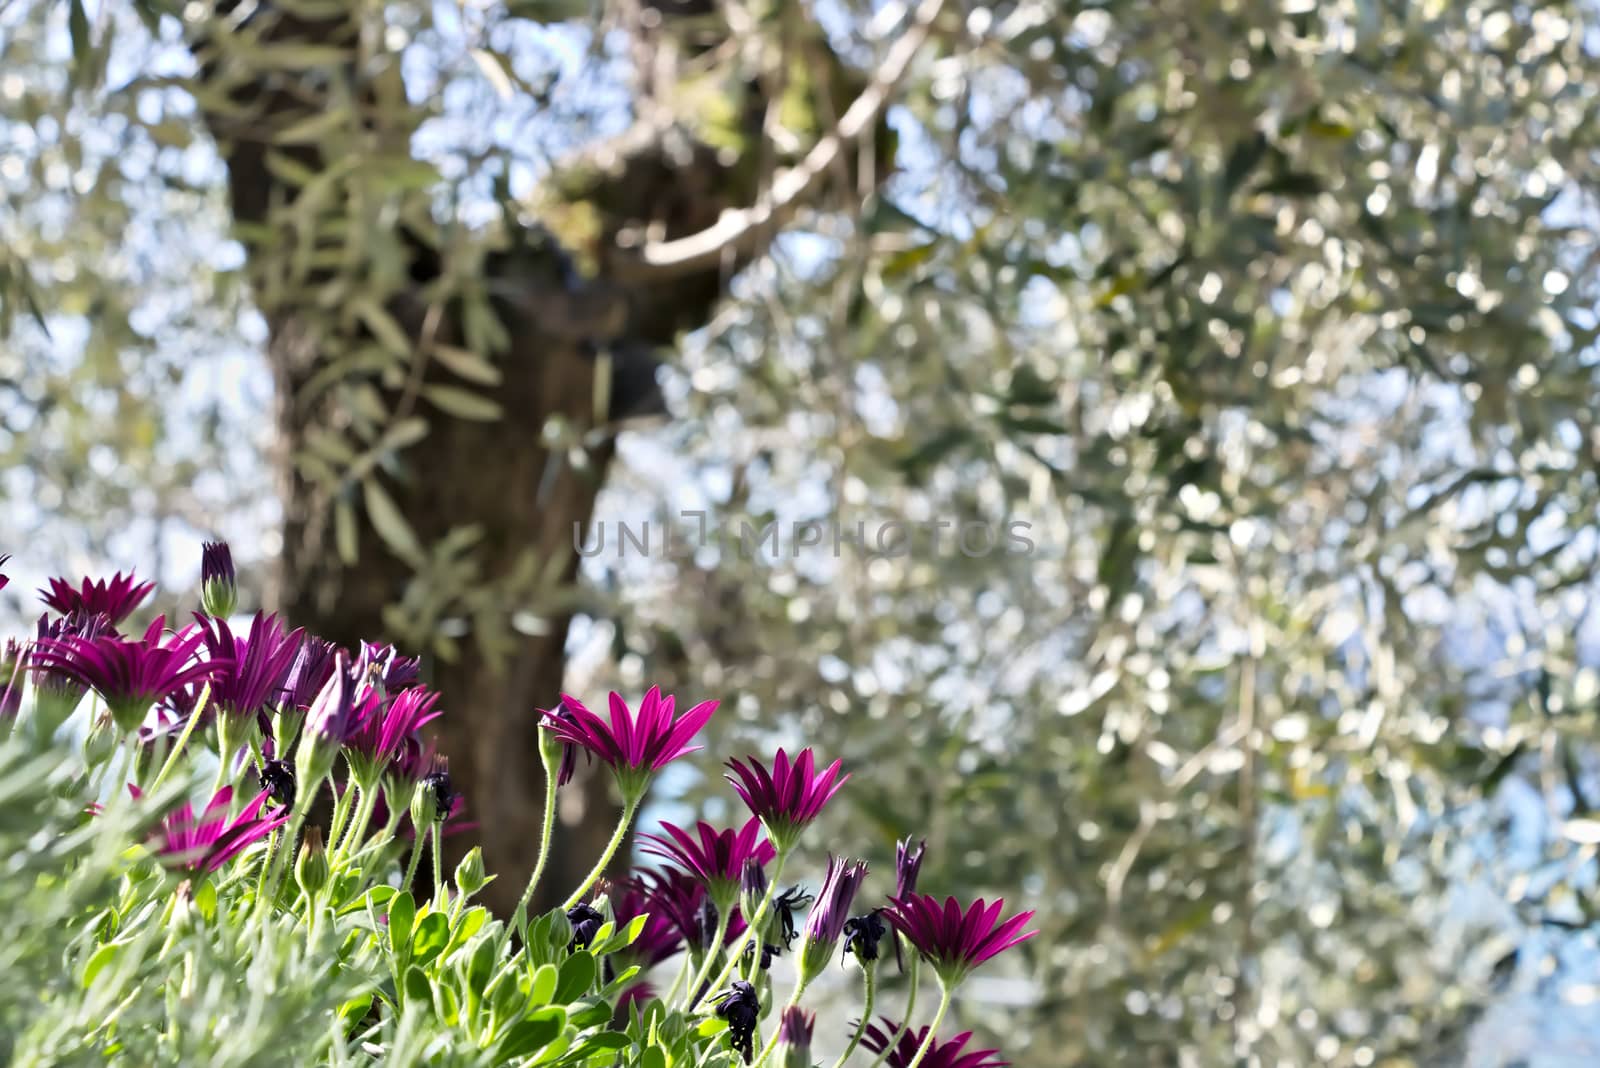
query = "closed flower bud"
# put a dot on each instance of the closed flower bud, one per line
(219, 590)
(752, 887)
(469, 873)
(794, 1033)
(100, 743)
(311, 866)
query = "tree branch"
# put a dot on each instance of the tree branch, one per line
(744, 229)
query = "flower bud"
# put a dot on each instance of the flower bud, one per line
(311, 866)
(219, 590)
(100, 743)
(469, 873)
(794, 1034)
(752, 888)
(12, 676)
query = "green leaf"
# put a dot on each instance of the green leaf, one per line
(345, 535)
(432, 934)
(577, 976)
(97, 963)
(652, 1057)
(417, 986)
(462, 403)
(390, 523)
(543, 988)
(532, 1034)
(82, 45)
(356, 1008)
(389, 333)
(402, 911)
(467, 364)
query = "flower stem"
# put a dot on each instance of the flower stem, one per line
(441, 892)
(933, 1029)
(752, 930)
(911, 1007)
(629, 806)
(519, 918)
(183, 739)
(683, 973)
(272, 867)
(870, 971)
(358, 826)
(416, 856)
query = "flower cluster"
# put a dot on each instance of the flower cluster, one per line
(286, 720)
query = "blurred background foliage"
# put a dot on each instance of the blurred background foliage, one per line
(1274, 320)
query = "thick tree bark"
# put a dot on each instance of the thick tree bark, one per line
(656, 185)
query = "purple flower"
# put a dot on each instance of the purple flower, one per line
(130, 676)
(907, 863)
(789, 797)
(390, 670)
(13, 673)
(219, 588)
(672, 900)
(634, 745)
(381, 735)
(312, 668)
(53, 684)
(716, 859)
(204, 844)
(940, 1054)
(953, 942)
(3, 580)
(114, 598)
(829, 912)
(254, 665)
(660, 937)
(336, 712)
(795, 1026)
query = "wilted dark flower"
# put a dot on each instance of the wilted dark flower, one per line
(436, 785)
(953, 942)
(586, 921)
(277, 779)
(862, 935)
(829, 912)
(717, 858)
(742, 1009)
(114, 598)
(789, 797)
(252, 667)
(907, 863)
(634, 746)
(784, 906)
(204, 844)
(219, 587)
(940, 1054)
(130, 676)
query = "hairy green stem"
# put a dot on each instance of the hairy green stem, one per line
(629, 806)
(870, 971)
(692, 994)
(436, 839)
(519, 918)
(416, 855)
(945, 991)
(683, 973)
(911, 1007)
(365, 806)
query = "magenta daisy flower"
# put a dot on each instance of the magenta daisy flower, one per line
(115, 598)
(254, 665)
(795, 1027)
(130, 676)
(953, 942)
(788, 797)
(663, 934)
(312, 668)
(3, 580)
(715, 858)
(13, 673)
(384, 665)
(338, 710)
(635, 746)
(200, 845)
(382, 734)
(951, 1054)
